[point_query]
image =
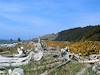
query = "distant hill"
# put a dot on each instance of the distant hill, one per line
(91, 33)
(49, 37)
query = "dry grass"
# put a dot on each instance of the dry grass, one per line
(85, 48)
(55, 44)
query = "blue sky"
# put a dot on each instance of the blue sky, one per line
(30, 18)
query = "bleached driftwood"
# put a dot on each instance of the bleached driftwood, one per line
(89, 61)
(16, 71)
(4, 59)
(38, 56)
(7, 62)
(15, 61)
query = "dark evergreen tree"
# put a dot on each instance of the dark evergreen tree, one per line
(19, 40)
